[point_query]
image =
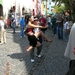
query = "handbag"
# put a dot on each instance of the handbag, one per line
(25, 31)
(68, 31)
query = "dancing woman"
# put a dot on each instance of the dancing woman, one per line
(32, 37)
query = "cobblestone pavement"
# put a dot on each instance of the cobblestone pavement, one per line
(15, 61)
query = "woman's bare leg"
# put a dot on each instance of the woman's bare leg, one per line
(30, 47)
(43, 35)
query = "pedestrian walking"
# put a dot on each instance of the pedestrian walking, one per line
(49, 21)
(54, 25)
(13, 23)
(2, 31)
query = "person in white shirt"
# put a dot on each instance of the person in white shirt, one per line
(70, 51)
(66, 28)
(49, 21)
(2, 31)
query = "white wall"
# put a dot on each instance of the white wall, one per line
(7, 4)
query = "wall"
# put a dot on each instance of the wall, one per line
(29, 5)
(36, 7)
(46, 7)
(19, 5)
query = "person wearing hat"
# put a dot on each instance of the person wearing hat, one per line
(39, 48)
(32, 36)
(22, 25)
(2, 31)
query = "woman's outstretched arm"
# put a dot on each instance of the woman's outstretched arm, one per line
(36, 26)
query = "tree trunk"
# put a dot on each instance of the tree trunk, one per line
(72, 9)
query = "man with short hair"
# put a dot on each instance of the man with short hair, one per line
(43, 22)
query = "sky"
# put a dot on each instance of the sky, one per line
(52, 3)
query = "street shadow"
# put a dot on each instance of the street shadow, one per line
(52, 51)
(24, 56)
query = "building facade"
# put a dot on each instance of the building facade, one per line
(21, 6)
(36, 7)
(46, 7)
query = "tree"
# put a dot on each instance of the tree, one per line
(59, 8)
(69, 4)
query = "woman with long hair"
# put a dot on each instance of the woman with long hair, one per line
(32, 37)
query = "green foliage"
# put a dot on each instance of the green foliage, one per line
(59, 2)
(0, 1)
(59, 8)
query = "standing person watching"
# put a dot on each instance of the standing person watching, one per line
(70, 51)
(49, 21)
(60, 26)
(2, 31)
(22, 25)
(43, 22)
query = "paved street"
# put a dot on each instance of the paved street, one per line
(15, 60)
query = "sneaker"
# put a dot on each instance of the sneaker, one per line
(39, 56)
(20, 36)
(32, 60)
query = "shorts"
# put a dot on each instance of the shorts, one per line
(32, 40)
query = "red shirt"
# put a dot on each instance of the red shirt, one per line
(42, 21)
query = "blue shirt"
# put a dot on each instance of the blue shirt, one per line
(22, 22)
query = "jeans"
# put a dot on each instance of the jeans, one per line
(22, 32)
(49, 24)
(13, 27)
(54, 29)
(66, 35)
(38, 51)
(60, 32)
